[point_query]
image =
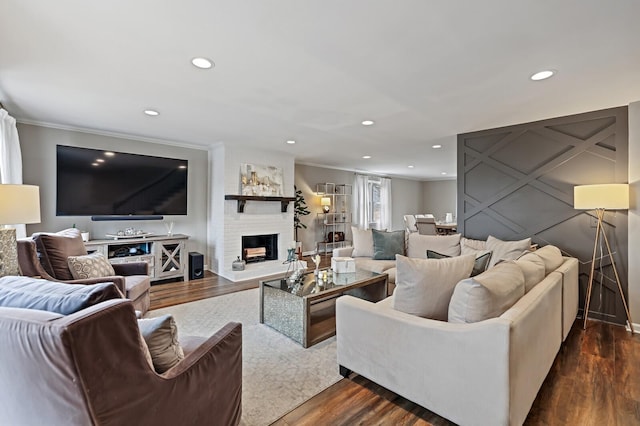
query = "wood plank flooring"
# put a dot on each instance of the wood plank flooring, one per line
(595, 379)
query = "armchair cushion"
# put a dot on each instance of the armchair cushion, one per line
(62, 298)
(93, 265)
(55, 248)
(136, 286)
(161, 336)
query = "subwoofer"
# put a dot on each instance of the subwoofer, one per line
(196, 265)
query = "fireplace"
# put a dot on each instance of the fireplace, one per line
(259, 248)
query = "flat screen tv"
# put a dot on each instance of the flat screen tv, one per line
(95, 182)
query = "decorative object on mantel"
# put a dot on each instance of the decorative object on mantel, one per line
(242, 200)
(264, 181)
(169, 227)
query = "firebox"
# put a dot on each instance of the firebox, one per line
(259, 248)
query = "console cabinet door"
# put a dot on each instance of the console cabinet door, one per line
(171, 258)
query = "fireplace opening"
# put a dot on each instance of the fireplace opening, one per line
(259, 248)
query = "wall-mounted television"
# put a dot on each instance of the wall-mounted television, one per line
(96, 182)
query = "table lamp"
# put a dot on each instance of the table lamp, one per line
(612, 196)
(325, 202)
(18, 204)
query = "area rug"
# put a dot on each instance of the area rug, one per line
(278, 373)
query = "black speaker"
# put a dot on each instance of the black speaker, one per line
(196, 265)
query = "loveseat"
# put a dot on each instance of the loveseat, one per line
(469, 369)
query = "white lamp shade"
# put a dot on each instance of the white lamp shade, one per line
(19, 204)
(610, 196)
(325, 201)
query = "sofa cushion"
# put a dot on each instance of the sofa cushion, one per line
(62, 298)
(532, 269)
(418, 245)
(378, 266)
(387, 244)
(362, 242)
(506, 250)
(551, 256)
(136, 285)
(487, 295)
(479, 266)
(54, 248)
(93, 265)
(161, 336)
(424, 286)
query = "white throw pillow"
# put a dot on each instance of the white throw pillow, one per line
(487, 295)
(424, 286)
(473, 244)
(418, 245)
(362, 242)
(551, 256)
(506, 250)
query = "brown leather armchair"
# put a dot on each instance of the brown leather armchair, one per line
(88, 368)
(45, 255)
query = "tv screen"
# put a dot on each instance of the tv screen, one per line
(95, 182)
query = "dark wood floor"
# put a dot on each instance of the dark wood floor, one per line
(595, 379)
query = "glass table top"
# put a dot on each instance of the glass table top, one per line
(311, 284)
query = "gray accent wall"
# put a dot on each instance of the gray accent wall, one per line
(516, 182)
(38, 144)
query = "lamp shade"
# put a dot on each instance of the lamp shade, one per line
(19, 204)
(610, 196)
(325, 201)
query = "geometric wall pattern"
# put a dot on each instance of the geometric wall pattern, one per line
(517, 182)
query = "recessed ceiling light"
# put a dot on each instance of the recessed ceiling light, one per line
(151, 112)
(99, 160)
(436, 146)
(443, 173)
(202, 63)
(109, 153)
(541, 75)
(366, 157)
(95, 164)
(291, 142)
(367, 123)
(411, 167)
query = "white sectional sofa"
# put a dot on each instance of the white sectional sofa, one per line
(483, 373)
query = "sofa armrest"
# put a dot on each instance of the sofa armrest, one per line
(342, 251)
(118, 280)
(133, 268)
(460, 371)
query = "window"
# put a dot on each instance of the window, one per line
(375, 205)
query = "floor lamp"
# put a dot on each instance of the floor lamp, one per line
(600, 198)
(18, 204)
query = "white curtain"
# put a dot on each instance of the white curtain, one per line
(361, 202)
(385, 203)
(10, 158)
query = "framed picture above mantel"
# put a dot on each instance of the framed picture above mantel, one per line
(259, 180)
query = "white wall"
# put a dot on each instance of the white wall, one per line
(440, 197)
(634, 214)
(38, 145)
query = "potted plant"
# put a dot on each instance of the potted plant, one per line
(299, 209)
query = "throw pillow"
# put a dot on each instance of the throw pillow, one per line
(551, 256)
(362, 242)
(62, 298)
(424, 286)
(506, 250)
(479, 266)
(387, 244)
(93, 265)
(487, 295)
(418, 245)
(54, 248)
(472, 244)
(532, 269)
(161, 336)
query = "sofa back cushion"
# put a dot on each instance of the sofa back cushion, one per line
(417, 245)
(532, 270)
(62, 298)
(55, 248)
(551, 256)
(424, 286)
(362, 242)
(506, 250)
(487, 295)
(387, 244)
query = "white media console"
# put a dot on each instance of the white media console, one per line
(165, 254)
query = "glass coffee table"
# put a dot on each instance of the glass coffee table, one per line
(306, 311)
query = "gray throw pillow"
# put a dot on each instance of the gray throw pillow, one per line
(479, 266)
(161, 336)
(62, 298)
(387, 244)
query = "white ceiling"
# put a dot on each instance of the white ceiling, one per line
(424, 71)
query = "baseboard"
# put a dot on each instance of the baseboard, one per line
(636, 327)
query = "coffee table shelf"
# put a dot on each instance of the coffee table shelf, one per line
(305, 312)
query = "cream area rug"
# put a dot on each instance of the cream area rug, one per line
(278, 374)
